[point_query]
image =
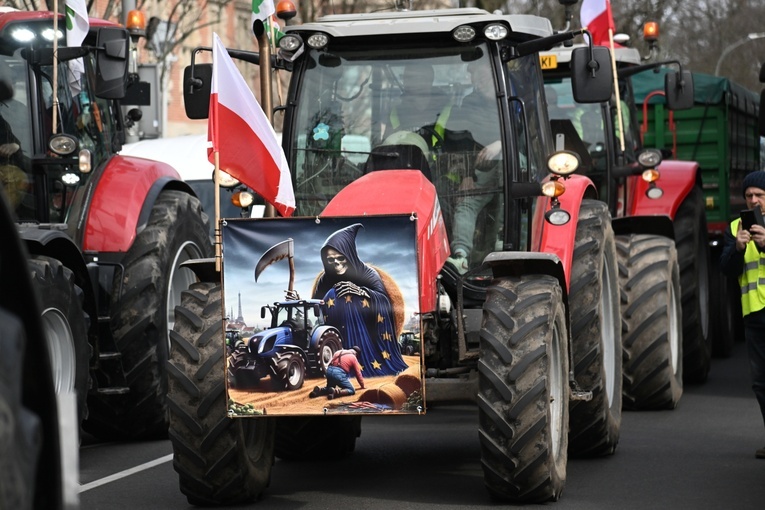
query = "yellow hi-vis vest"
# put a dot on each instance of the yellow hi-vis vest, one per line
(440, 126)
(752, 280)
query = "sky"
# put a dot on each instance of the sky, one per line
(386, 242)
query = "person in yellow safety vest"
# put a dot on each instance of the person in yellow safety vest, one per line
(420, 105)
(743, 256)
(478, 115)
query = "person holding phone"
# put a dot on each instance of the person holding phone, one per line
(743, 256)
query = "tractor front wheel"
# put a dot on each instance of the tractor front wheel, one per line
(219, 460)
(652, 337)
(523, 389)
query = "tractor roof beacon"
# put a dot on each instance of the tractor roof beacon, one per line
(105, 233)
(542, 250)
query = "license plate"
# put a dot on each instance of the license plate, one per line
(548, 61)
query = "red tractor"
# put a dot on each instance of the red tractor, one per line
(526, 322)
(658, 217)
(106, 234)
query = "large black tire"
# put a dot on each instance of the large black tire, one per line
(315, 438)
(523, 389)
(65, 324)
(145, 295)
(596, 335)
(290, 373)
(691, 240)
(651, 312)
(20, 428)
(219, 460)
(329, 343)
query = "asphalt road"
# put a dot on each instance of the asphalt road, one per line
(698, 456)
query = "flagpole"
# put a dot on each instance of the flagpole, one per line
(54, 102)
(616, 89)
(218, 240)
(266, 100)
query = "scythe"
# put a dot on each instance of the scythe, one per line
(277, 252)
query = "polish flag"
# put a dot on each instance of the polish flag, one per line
(596, 16)
(243, 137)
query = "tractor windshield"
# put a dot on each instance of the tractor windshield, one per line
(582, 129)
(44, 187)
(432, 109)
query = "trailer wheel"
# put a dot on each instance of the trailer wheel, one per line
(523, 389)
(596, 335)
(290, 373)
(314, 438)
(691, 240)
(145, 296)
(652, 335)
(65, 324)
(328, 345)
(219, 460)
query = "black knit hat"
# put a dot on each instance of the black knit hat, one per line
(755, 179)
(357, 349)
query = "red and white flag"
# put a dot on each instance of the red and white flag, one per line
(596, 16)
(240, 132)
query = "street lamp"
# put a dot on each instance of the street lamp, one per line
(749, 37)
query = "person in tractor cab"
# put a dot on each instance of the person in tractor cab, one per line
(420, 108)
(743, 256)
(477, 115)
(344, 363)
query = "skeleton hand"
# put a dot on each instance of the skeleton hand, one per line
(291, 295)
(343, 288)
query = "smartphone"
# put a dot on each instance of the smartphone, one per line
(749, 218)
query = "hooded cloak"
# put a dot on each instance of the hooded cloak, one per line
(366, 322)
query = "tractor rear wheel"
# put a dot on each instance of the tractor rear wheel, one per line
(219, 460)
(691, 241)
(329, 343)
(66, 328)
(596, 335)
(523, 389)
(145, 296)
(652, 336)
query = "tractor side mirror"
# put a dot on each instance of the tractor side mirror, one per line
(112, 63)
(678, 88)
(263, 312)
(197, 84)
(592, 77)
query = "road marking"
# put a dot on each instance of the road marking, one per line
(126, 473)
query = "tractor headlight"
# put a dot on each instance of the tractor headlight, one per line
(649, 158)
(225, 180)
(563, 163)
(464, 33)
(495, 32)
(62, 144)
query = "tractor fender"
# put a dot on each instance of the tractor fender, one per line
(559, 239)
(318, 332)
(519, 263)
(659, 225)
(676, 179)
(123, 199)
(58, 245)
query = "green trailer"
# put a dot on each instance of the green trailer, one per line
(720, 133)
